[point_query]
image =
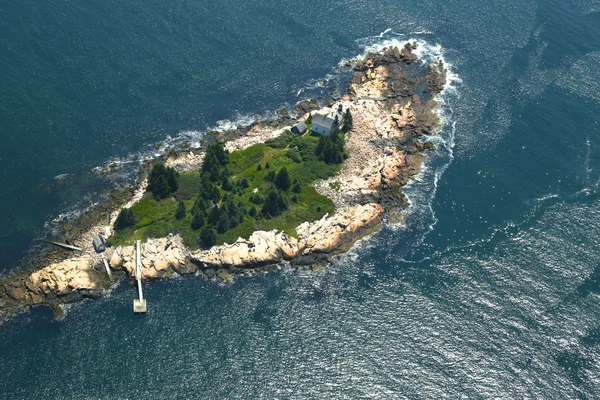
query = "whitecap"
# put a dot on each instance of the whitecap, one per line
(62, 176)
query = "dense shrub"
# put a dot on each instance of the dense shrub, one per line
(162, 181)
(294, 155)
(125, 219)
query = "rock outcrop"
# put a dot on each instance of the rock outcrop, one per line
(306, 106)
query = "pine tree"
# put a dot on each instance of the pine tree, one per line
(180, 213)
(275, 203)
(226, 184)
(320, 145)
(208, 237)
(199, 220)
(199, 206)
(282, 180)
(209, 191)
(347, 121)
(270, 176)
(253, 211)
(214, 215)
(257, 198)
(296, 187)
(223, 223)
(162, 181)
(172, 175)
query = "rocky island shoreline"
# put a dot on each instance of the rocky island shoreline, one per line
(392, 98)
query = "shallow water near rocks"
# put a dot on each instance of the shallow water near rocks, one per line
(488, 289)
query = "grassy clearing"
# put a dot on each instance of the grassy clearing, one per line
(248, 173)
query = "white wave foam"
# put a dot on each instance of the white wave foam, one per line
(62, 176)
(382, 34)
(587, 6)
(421, 190)
(583, 78)
(422, 32)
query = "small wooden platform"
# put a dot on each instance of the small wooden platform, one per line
(139, 306)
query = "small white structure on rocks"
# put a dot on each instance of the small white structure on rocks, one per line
(322, 124)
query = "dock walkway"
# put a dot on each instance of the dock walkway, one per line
(139, 304)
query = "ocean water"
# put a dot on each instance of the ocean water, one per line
(490, 289)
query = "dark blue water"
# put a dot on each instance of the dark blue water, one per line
(491, 288)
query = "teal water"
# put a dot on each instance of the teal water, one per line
(489, 290)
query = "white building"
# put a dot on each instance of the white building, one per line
(322, 124)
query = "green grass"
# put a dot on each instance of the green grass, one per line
(297, 153)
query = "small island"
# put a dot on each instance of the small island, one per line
(295, 191)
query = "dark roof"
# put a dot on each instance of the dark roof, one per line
(300, 126)
(323, 121)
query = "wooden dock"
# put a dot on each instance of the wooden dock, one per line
(139, 304)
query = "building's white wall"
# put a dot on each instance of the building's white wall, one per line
(320, 130)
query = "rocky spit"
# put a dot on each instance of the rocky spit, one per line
(392, 101)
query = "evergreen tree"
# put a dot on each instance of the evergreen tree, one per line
(199, 220)
(234, 213)
(161, 188)
(256, 198)
(347, 121)
(309, 118)
(331, 148)
(209, 191)
(162, 181)
(253, 211)
(200, 205)
(215, 162)
(275, 203)
(259, 167)
(270, 176)
(214, 215)
(267, 165)
(208, 237)
(282, 180)
(226, 184)
(172, 179)
(125, 219)
(296, 187)
(223, 223)
(320, 145)
(244, 183)
(180, 213)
